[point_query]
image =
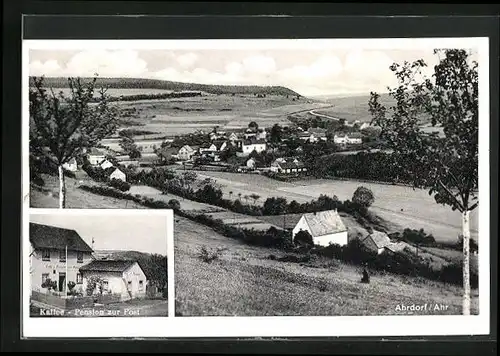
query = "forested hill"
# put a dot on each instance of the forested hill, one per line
(135, 83)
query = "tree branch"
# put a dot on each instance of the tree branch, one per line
(450, 193)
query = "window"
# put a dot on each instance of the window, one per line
(45, 255)
(141, 285)
(45, 276)
(129, 285)
(62, 255)
(79, 257)
(79, 278)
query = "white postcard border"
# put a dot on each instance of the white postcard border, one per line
(309, 326)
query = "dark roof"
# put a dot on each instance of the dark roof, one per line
(45, 236)
(108, 265)
(253, 141)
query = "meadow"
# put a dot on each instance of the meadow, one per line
(244, 281)
(400, 206)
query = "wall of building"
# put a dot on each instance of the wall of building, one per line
(54, 267)
(339, 238)
(133, 276)
(116, 283)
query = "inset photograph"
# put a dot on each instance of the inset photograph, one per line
(90, 263)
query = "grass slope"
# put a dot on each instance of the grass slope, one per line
(243, 281)
(136, 83)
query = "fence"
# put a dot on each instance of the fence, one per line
(74, 302)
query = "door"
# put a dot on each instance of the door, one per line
(62, 282)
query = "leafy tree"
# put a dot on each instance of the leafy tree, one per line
(174, 204)
(49, 284)
(276, 133)
(363, 196)
(253, 125)
(447, 164)
(63, 127)
(303, 237)
(130, 148)
(274, 206)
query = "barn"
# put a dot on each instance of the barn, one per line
(325, 227)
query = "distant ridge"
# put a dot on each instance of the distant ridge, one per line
(141, 83)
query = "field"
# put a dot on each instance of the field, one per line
(243, 281)
(182, 116)
(401, 206)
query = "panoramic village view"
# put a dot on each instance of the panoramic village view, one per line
(105, 268)
(328, 183)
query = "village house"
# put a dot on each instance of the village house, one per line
(217, 135)
(207, 148)
(117, 174)
(220, 145)
(106, 164)
(56, 254)
(287, 166)
(319, 133)
(325, 227)
(378, 241)
(233, 137)
(250, 145)
(186, 152)
(71, 165)
(364, 125)
(95, 156)
(123, 277)
(307, 136)
(354, 138)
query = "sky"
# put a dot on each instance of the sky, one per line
(310, 72)
(143, 233)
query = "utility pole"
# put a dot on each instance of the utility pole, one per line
(66, 278)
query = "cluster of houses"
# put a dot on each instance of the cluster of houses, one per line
(326, 227)
(62, 256)
(97, 158)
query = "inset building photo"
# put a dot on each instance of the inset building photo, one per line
(89, 264)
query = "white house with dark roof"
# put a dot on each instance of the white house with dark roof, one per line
(71, 165)
(105, 164)
(186, 152)
(123, 277)
(252, 144)
(117, 174)
(288, 165)
(378, 241)
(56, 254)
(95, 156)
(325, 227)
(354, 138)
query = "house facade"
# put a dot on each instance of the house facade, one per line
(378, 241)
(117, 174)
(325, 227)
(71, 165)
(186, 152)
(287, 166)
(95, 156)
(348, 139)
(250, 145)
(123, 277)
(56, 254)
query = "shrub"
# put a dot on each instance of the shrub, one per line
(363, 196)
(209, 255)
(119, 184)
(49, 284)
(174, 204)
(303, 237)
(418, 237)
(71, 285)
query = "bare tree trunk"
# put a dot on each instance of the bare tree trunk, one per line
(62, 188)
(466, 264)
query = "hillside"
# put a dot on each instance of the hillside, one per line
(141, 83)
(244, 280)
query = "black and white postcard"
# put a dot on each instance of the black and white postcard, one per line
(319, 187)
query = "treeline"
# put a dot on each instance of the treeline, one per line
(136, 97)
(140, 83)
(377, 166)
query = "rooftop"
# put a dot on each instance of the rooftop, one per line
(108, 265)
(52, 237)
(324, 222)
